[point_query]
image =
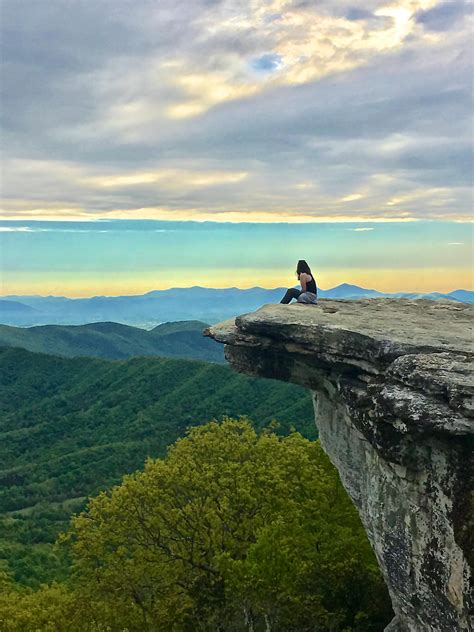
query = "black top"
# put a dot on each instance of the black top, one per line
(311, 286)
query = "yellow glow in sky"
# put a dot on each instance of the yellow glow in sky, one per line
(406, 280)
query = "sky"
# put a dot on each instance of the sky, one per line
(251, 131)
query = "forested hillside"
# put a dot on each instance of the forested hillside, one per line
(72, 427)
(182, 339)
(233, 531)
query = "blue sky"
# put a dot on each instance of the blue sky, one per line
(338, 112)
(129, 256)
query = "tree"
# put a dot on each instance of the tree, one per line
(50, 609)
(230, 531)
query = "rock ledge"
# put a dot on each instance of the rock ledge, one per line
(393, 391)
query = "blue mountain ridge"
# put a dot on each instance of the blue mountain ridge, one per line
(175, 304)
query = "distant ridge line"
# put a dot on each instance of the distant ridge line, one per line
(341, 287)
(195, 303)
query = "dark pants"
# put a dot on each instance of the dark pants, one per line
(290, 294)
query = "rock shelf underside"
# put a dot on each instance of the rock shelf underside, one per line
(393, 392)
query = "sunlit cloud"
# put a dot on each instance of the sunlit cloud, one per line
(124, 180)
(303, 44)
(352, 198)
(202, 215)
(168, 178)
(54, 214)
(205, 90)
(304, 185)
(436, 195)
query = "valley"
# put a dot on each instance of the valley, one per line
(72, 427)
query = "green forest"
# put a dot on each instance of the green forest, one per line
(182, 339)
(232, 530)
(166, 494)
(70, 428)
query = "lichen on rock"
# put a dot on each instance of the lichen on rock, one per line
(393, 391)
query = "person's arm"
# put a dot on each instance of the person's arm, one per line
(303, 278)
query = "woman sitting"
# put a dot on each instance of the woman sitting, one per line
(309, 292)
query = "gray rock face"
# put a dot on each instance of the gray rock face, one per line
(393, 390)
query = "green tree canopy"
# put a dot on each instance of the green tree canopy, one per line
(231, 531)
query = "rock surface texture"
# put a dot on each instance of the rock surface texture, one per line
(392, 384)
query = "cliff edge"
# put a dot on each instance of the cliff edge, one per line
(392, 384)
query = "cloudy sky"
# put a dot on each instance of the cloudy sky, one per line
(237, 111)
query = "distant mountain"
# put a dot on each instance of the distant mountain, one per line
(15, 307)
(147, 310)
(116, 341)
(351, 292)
(194, 303)
(70, 427)
(347, 291)
(465, 296)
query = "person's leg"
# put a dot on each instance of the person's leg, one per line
(290, 294)
(308, 298)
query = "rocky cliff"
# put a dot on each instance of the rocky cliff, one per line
(392, 385)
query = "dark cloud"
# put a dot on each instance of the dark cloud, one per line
(356, 13)
(49, 49)
(444, 16)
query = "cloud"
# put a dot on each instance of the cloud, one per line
(307, 44)
(358, 13)
(15, 229)
(445, 15)
(168, 179)
(236, 108)
(30, 229)
(60, 229)
(352, 197)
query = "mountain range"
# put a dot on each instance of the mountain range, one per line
(116, 341)
(194, 303)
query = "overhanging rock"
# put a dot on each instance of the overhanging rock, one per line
(392, 384)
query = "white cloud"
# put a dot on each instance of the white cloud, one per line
(15, 229)
(35, 229)
(352, 198)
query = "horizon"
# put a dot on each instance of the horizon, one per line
(202, 287)
(130, 257)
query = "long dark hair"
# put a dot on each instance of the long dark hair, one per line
(303, 267)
